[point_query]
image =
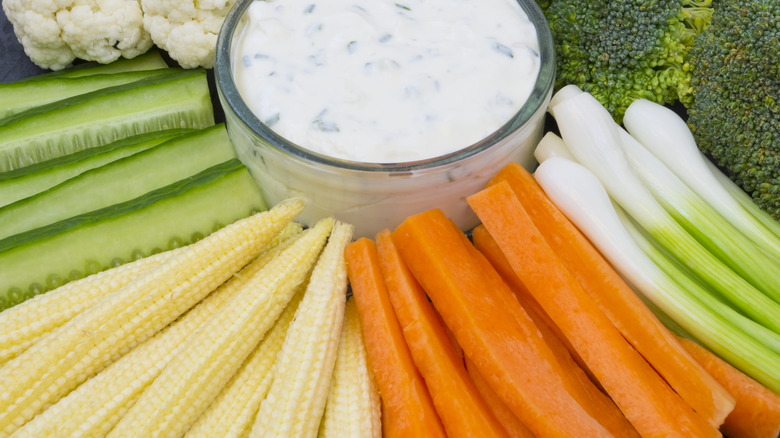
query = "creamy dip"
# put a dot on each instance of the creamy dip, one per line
(385, 81)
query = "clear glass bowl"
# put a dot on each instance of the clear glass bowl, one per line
(375, 196)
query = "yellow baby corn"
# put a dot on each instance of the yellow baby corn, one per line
(353, 409)
(233, 411)
(302, 373)
(94, 407)
(24, 323)
(211, 356)
(67, 356)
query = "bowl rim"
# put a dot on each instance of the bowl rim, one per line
(233, 102)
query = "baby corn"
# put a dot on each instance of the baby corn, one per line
(353, 409)
(93, 408)
(209, 358)
(302, 374)
(24, 323)
(67, 356)
(233, 411)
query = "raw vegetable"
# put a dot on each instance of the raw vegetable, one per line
(735, 114)
(490, 326)
(22, 95)
(120, 181)
(583, 199)
(177, 100)
(20, 183)
(407, 408)
(233, 411)
(302, 373)
(192, 379)
(186, 30)
(722, 239)
(593, 138)
(618, 300)
(572, 371)
(25, 323)
(622, 51)
(150, 60)
(640, 393)
(664, 133)
(460, 406)
(175, 215)
(354, 408)
(65, 357)
(757, 412)
(115, 388)
(511, 424)
(56, 33)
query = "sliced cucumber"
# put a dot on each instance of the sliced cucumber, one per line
(176, 215)
(23, 95)
(120, 181)
(21, 183)
(176, 100)
(150, 60)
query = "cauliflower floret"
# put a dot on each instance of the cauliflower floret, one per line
(186, 29)
(104, 30)
(54, 33)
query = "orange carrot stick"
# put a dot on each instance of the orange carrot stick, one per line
(513, 426)
(578, 380)
(643, 396)
(508, 351)
(407, 408)
(618, 301)
(461, 408)
(757, 412)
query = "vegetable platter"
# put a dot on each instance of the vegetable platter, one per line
(598, 296)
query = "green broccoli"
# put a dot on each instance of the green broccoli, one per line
(620, 51)
(735, 115)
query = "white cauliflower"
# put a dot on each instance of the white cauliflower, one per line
(186, 29)
(55, 32)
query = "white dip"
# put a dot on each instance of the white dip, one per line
(386, 81)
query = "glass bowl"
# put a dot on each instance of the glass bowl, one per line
(375, 196)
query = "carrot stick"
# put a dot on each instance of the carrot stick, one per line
(407, 408)
(508, 351)
(488, 247)
(513, 426)
(461, 408)
(643, 396)
(618, 301)
(757, 412)
(578, 380)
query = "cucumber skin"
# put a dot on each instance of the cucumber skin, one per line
(164, 164)
(152, 59)
(177, 215)
(28, 181)
(20, 96)
(176, 100)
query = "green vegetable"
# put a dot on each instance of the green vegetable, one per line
(661, 281)
(119, 181)
(664, 133)
(150, 60)
(172, 216)
(27, 181)
(735, 115)
(620, 51)
(176, 100)
(22, 95)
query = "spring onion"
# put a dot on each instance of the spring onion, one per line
(583, 198)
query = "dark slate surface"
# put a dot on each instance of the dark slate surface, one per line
(14, 64)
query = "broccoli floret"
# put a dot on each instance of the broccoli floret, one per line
(625, 50)
(735, 115)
